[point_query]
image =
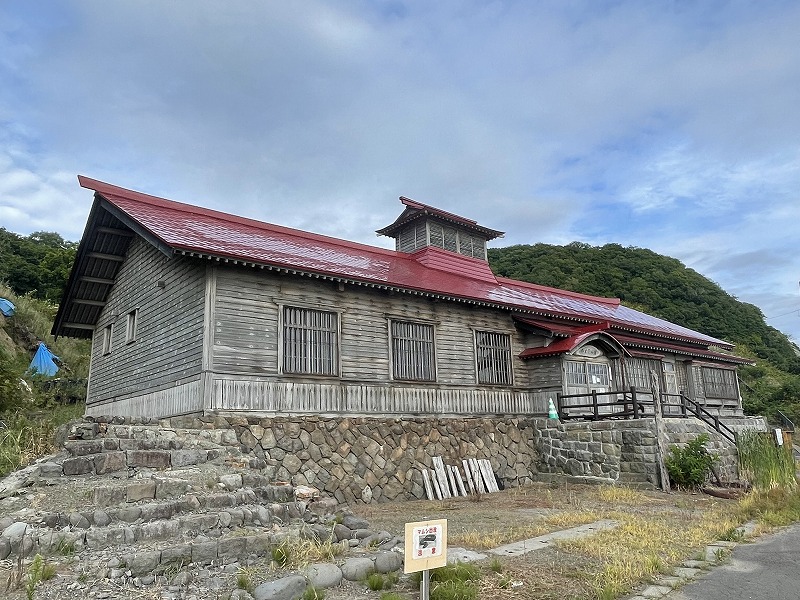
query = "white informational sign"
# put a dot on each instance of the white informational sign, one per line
(778, 437)
(425, 545)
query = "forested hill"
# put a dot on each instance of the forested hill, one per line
(37, 264)
(656, 284)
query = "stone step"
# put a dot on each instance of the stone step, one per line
(73, 533)
(633, 478)
(179, 437)
(111, 461)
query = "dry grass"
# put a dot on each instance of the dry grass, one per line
(296, 553)
(655, 532)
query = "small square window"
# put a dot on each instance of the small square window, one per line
(130, 327)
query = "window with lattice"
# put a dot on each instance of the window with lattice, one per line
(310, 341)
(719, 383)
(493, 358)
(413, 355)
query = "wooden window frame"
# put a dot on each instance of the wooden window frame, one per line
(108, 333)
(131, 324)
(413, 356)
(719, 383)
(309, 346)
(493, 364)
(637, 372)
(584, 373)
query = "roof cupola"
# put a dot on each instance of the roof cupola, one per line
(421, 225)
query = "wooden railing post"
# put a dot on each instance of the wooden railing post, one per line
(560, 406)
(595, 408)
(635, 403)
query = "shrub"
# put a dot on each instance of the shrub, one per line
(688, 466)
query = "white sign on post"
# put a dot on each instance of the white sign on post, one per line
(425, 545)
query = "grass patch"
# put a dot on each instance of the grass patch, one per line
(375, 582)
(765, 464)
(618, 494)
(643, 546)
(313, 593)
(457, 581)
(485, 539)
(26, 437)
(294, 552)
(774, 507)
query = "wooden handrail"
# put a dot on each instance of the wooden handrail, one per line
(633, 407)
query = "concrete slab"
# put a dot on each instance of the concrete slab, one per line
(537, 543)
(655, 591)
(463, 555)
(687, 572)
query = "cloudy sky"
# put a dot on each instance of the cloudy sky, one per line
(670, 125)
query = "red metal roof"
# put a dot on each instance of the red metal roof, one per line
(580, 335)
(659, 346)
(192, 230)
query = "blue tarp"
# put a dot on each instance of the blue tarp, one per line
(6, 307)
(43, 362)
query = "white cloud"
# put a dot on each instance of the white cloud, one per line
(670, 126)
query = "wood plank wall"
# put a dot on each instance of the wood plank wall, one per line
(169, 336)
(246, 339)
(179, 399)
(319, 398)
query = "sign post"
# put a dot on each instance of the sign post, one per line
(426, 549)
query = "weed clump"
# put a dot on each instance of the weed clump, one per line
(453, 582)
(765, 464)
(689, 466)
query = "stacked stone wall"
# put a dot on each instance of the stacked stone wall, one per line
(580, 450)
(372, 459)
(620, 451)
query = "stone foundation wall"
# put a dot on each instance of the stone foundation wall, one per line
(361, 459)
(620, 451)
(366, 459)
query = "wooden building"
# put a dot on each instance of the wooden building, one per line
(192, 310)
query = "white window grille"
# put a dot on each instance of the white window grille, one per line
(587, 373)
(493, 352)
(637, 372)
(310, 341)
(413, 356)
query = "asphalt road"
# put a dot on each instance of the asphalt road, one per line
(766, 569)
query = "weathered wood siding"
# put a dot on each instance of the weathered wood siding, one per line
(178, 399)
(169, 329)
(246, 337)
(353, 399)
(546, 374)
